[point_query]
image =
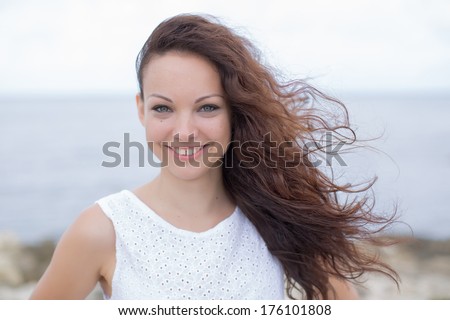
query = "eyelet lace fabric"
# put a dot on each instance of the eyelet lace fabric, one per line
(156, 260)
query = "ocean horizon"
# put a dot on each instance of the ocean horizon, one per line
(52, 150)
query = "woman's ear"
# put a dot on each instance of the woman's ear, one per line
(140, 107)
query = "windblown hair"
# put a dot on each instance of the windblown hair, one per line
(308, 221)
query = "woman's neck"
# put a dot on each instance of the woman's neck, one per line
(202, 198)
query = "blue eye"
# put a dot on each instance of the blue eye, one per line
(161, 108)
(209, 108)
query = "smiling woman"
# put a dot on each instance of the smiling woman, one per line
(238, 206)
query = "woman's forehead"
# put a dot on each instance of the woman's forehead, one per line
(181, 72)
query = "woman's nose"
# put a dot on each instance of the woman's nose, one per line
(185, 128)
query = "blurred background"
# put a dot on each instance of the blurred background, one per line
(67, 86)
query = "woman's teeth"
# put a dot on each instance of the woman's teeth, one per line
(186, 151)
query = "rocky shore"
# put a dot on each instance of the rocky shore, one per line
(423, 266)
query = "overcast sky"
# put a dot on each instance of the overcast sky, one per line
(89, 46)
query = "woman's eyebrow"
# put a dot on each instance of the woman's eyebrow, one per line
(159, 96)
(209, 96)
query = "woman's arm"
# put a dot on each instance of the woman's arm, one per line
(79, 258)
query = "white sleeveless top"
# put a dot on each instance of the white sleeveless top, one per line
(156, 260)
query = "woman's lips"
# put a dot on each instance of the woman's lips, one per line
(187, 152)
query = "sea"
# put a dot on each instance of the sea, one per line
(59, 154)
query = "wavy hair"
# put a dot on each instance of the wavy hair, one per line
(312, 224)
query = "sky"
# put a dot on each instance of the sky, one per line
(89, 46)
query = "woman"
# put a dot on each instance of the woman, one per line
(239, 205)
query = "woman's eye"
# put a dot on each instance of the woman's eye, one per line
(208, 108)
(161, 108)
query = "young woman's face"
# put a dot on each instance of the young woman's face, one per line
(185, 114)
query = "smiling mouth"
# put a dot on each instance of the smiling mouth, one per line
(187, 151)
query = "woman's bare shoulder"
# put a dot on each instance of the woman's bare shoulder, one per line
(79, 258)
(94, 227)
(90, 236)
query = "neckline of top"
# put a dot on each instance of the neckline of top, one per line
(142, 205)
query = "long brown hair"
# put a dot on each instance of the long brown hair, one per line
(272, 174)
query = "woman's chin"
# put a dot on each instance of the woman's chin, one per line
(188, 172)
